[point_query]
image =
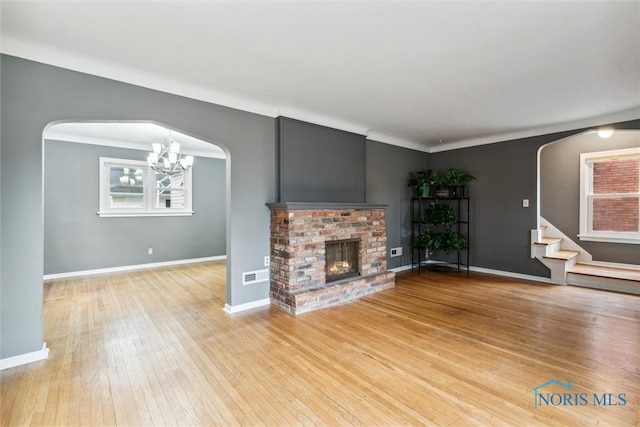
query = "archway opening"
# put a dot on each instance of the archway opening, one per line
(562, 203)
(79, 241)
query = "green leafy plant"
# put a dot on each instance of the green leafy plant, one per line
(439, 180)
(447, 241)
(452, 241)
(422, 182)
(422, 241)
(430, 241)
(439, 213)
(454, 177)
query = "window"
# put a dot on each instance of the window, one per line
(610, 196)
(131, 188)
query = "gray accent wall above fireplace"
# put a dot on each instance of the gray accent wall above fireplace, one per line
(319, 164)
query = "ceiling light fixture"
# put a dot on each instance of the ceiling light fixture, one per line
(166, 157)
(605, 133)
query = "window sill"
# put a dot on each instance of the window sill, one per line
(610, 239)
(142, 214)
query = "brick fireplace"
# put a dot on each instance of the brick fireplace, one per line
(299, 235)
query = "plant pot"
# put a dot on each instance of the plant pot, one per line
(460, 191)
(424, 190)
(443, 191)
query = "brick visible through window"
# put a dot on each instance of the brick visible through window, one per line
(615, 177)
(615, 214)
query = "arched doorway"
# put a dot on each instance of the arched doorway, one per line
(79, 240)
(559, 192)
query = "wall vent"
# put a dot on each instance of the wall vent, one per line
(251, 277)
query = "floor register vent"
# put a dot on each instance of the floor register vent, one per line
(258, 276)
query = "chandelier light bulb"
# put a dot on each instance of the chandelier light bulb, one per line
(186, 161)
(166, 157)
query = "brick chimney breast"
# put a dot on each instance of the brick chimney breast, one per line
(298, 264)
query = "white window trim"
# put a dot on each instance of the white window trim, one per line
(149, 210)
(586, 233)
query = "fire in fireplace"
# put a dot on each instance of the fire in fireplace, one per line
(342, 258)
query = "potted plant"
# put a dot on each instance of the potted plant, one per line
(441, 184)
(429, 241)
(422, 182)
(440, 217)
(439, 214)
(457, 179)
(453, 241)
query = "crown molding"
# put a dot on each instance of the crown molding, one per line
(105, 69)
(577, 125)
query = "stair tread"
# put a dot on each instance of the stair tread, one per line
(606, 271)
(563, 255)
(632, 267)
(548, 241)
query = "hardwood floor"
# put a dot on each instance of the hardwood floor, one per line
(155, 348)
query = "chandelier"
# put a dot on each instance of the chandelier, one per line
(166, 157)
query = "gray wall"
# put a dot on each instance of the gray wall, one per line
(343, 165)
(500, 226)
(34, 95)
(77, 239)
(506, 172)
(319, 164)
(388, 169)
(560, 190)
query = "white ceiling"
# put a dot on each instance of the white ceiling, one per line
(430, 75)
(133, 135)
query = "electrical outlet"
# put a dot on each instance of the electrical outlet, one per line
(267, 261)
(396, 251)
(150, 251)
(525, 203)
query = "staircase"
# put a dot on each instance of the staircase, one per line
(570, 266)
(612, 278)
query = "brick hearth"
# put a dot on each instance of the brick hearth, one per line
(298, 235)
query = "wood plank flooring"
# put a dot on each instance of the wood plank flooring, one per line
(154, 347)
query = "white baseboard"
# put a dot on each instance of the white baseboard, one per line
(511, 274)
(490, 271)
(130, 267)
(264, 302)
(403, 268)
(231, 309)
(23, 359)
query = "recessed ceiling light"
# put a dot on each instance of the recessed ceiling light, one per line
(605, 133)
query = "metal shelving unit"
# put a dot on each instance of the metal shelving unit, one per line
(459, 259)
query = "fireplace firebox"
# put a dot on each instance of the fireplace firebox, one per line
(342, 257)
